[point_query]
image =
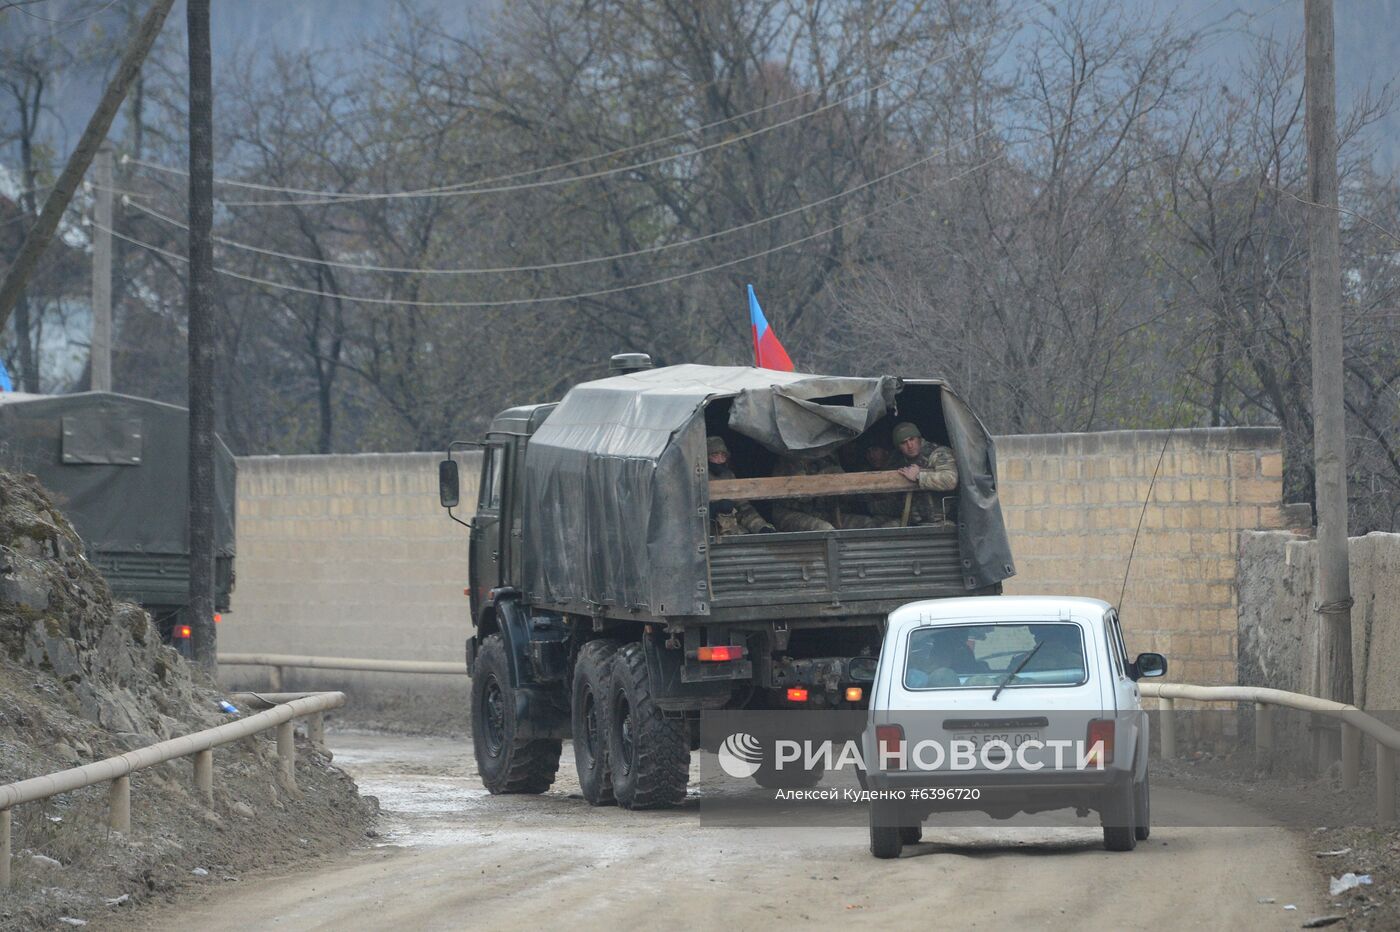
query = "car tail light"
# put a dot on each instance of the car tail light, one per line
(720, 653)
(182, 632)
(889, 746)
(797, 694)
(1100, 730)
(854, 693)
(218, 618)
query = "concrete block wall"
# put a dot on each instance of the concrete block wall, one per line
(1073, 503)
(351, 555)
(1277, 624)
(348, 556)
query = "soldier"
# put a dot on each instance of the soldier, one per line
(820, 513)
(931, 466)
(731, 517)
(885, 508)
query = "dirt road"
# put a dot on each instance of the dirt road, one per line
(452, 857)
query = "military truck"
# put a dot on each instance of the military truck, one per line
(605, 611)
(118, 467)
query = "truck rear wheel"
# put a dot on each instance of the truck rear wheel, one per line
(592, 677)
(506, 762)
(648, 752)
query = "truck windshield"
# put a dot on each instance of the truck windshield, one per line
(979, 656)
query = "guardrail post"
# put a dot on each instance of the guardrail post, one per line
(274, 680)
(1351, 756)
(204, 774)
(4, 849)
(287, 752)
(1263, 728)
(316, 729)
(119, 805)
(1168, 717)
(1385, 784)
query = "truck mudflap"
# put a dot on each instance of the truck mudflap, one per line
(540, 713)
(672, 694)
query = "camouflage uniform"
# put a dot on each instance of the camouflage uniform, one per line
(822, 513)
(938, 473)
(743, 517)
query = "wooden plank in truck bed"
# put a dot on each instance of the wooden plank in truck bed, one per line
(776, 487)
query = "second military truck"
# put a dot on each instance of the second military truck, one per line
(604, 609)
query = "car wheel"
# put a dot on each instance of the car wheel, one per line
(1117, 813)
(1142, 815)
(911, 834)
(648, 751)
(506, 763)
(885, 841)
(592, 678)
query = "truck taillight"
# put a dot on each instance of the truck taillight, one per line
(720, 653)
(797, 694)
(182, 632)
(1100, 732)
(889, 746)
(854, 693)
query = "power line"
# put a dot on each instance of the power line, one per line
(572, 263)
(602, 292)
(473, 188)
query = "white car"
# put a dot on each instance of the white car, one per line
(1007, 704)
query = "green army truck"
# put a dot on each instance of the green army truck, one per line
(118, 468)
(606, 611)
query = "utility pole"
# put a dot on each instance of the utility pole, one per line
(41, 233)
(100, 352)
(201, 337)
(1334, 674)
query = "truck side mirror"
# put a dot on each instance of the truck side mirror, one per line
(449, 487)
(1149, 665)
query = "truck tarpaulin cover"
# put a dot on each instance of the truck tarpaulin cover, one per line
(117, 466)
(616, 494)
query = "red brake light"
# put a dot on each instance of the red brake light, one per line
(1100, 730)
(797, 694)
(889, 747)
(182, 631)
(720, 653)
(218, 618)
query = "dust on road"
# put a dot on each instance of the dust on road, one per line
(450, 856)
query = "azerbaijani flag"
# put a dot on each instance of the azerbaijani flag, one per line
(768, 353)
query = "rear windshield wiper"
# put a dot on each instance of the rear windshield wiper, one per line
(1019, 667)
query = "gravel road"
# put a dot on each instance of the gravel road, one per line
(449, 856)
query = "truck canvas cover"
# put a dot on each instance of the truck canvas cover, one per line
(117, 466)
(616, 495)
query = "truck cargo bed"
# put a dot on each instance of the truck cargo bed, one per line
(831, 569)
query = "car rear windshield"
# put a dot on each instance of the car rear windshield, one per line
(981, 655)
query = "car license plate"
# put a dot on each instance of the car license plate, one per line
(1012, 739)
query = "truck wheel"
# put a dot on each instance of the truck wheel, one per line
(885, 840)
(506, 763)
(1142, 818)
(648, 752)
(592, 676)
(1119, 833)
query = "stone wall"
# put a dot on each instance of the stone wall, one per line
(1277, 626)
(348, 556)
(351, 555)
(1073, 503)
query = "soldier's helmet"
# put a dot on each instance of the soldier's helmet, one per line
(905, 430)
(715, 445)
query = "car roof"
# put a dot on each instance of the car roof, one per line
(996, 606)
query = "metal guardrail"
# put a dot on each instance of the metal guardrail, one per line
(1355, 722)
(280, 661)
(199, 745)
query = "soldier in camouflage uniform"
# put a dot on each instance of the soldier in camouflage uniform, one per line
(931, 466)
(885, 508)
(821, 513)
(731, 517)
